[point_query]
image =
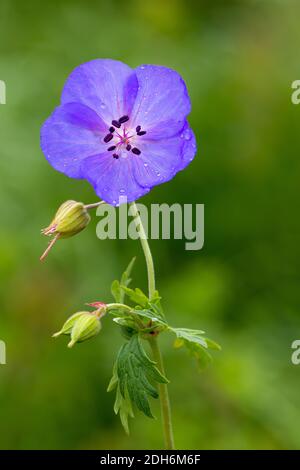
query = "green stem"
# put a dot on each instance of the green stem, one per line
(146, 248)
(118, 306)
(164, 397)
(94, 205)
(163, 388)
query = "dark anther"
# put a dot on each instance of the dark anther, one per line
(115, 155)
(111, 129)
(123, 119)
(136, 151)
(138, 128)
(116, 123)
(128, 147)
(141, 133)
(108, 137)
(111, 148)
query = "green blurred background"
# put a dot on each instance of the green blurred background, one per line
(239, 59)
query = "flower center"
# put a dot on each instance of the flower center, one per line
(120, 138)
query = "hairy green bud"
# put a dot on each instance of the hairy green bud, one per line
(68, 325)
(85, 327)
(70, 218)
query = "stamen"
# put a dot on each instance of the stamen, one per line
(124, 139)
(107, 138)
(123, 119)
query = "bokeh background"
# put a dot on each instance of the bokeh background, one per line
(239, 59)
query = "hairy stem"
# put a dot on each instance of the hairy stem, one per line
(114, 306)
(146, 248)
(94, 205)
(163, 388)
(164, 397)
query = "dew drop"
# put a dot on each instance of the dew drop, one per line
(187, 135)
(122, 191)
(145, 165)
(102, 106)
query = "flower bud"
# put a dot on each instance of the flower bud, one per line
(85, 327)
(68, 325)
(70, 218)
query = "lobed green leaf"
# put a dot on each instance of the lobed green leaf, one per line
(196, 344)
(116, 290)
(133, 373)
(136, 295)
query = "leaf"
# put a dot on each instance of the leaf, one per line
(116, 290)
(125, 279)
(212, 344)
(151, 308)
(122, 404)
(124, 408)
(155, 305)
(196, 344)
(136, 295)
(128, 326)
(134, 371)
(114, 380)
(152, 316)
(196, 350)
(194, 336)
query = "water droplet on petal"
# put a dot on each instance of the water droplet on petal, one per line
(145, 165)
(102, 106)
(122, 191)
(187, 134)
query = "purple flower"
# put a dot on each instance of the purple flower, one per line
(123, 130)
